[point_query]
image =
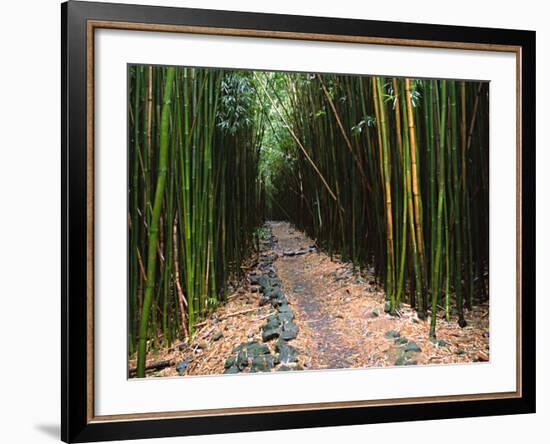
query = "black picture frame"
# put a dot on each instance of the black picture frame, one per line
(76, 423)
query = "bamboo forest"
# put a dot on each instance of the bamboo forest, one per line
(282, 221)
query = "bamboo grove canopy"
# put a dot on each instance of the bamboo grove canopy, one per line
(388, 173)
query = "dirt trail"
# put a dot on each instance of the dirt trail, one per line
(314, 313)
(342, 320)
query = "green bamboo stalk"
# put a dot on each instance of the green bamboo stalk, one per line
(153, 230)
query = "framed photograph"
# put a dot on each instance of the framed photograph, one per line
(275, 221)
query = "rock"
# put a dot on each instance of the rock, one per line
(402, 360)
(460, 352)
(401, 341)
(287, 353)
(270, 333)
(462, 323)
(264, 300)
(255, 289)
(276, 293)
(272, 321)
(242, 359)
(392, 334)
(242, 346)
(182, 365)
(290, 331)
(231, 370)
(264, 281)
(218, 335)
(278, 300)
(256, 349)
(387, 307)
(285, 308)
(286, 316)
(375, 313)
(263, 363)
(412, 347)
(231, 361)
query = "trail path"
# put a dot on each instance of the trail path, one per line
(318, 320)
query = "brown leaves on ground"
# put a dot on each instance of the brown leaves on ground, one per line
(341, 318)
(208, 352)
(347, 304)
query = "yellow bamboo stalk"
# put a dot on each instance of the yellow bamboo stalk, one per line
(415, 184)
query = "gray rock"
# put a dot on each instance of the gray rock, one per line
(270, 333)
(254, 279)
(285, 308)
(375, 313)
(286, 316)
(242, 359)
(242, 346)
(387, 307)
(256, 349)
(231, 361)
(402, 360)
(287, 353)
(231, 370)
(263, 363)
(264, 281)
(278, 298)
(439, 342)
(290, 331)
(218, 335)
(264, 300)
(294, 251)
(272, 321)
(182, 365)
(401, 341)
(412, 347)
(392, 334)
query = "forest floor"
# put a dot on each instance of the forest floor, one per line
(340, 318)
